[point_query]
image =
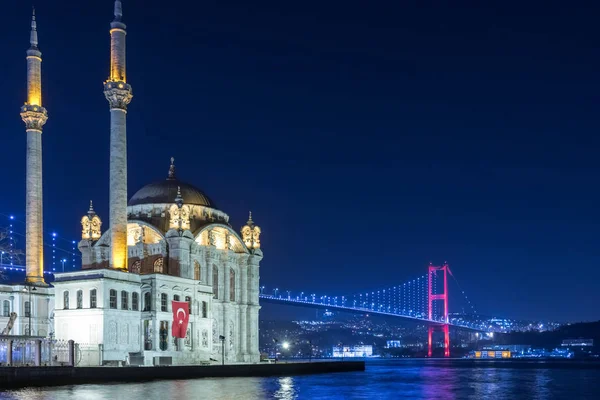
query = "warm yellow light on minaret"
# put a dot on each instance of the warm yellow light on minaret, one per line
(117, 46)
(34, 116)
(34, 67)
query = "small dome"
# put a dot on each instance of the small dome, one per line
(166, 192)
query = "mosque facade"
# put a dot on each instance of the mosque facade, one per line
(168, 242)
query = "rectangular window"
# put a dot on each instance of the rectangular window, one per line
(204, 309)
(163, 334)
(147, 334)
(231, 285)
(147, 305)
(163, 302)
(188, 299)
(124, 300)
(80, 299)
(6, 308)
(66, 300)
(27, 309)
(113, 298)
(215, 282)
(196, 270)
(135, 301)
(176, 297)
(93, 298)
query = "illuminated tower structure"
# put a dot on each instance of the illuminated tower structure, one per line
(118, 93)
(34, 116)
(169, 241)
(434, 272)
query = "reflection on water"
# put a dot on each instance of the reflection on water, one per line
(382, 380)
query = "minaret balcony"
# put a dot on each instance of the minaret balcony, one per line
(118, 94)
(34, 116)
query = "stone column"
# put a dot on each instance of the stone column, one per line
(119, 95)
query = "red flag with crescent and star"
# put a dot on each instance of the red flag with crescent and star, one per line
(181, 318)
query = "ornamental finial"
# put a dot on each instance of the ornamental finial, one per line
(172, 169)
(91, 210)
(118, 11)
(33, 38)
(179, 199)
(250, 222)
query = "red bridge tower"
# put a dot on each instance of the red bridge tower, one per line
(434, 272)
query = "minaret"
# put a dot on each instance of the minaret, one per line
(34, 116)
(118, 94)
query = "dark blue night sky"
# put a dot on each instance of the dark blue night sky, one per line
(368, 138)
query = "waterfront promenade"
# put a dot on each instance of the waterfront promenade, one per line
(11, 377)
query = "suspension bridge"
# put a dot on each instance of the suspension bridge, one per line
(424, 299)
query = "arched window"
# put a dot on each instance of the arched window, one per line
(124, 300)
(135, 301)
(176, 297)
(215, 282)
(188, 299)
(136, 267)
(147, 302)
(163, 302)
(66, 300)
(6, 308)
(231, 285)
(93, 298)
(113, 298)
(80, 299)
(197, 270)
(27, 309)
(158, 265)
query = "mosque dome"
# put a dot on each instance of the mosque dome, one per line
(166, 191)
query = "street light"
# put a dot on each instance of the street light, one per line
(1, 256)
(222, 339)
(63, 261)
(29, 288)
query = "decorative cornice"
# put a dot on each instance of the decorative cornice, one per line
(118, 94)
(34, 117)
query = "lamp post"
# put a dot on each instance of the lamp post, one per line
(222, 339)
(29, 288)
(63, 264)
(1, 256)
(285, 346)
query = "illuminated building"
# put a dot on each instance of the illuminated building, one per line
(169, 241)
(352, 351)
(577, 343)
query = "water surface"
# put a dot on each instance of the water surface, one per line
(403, 379)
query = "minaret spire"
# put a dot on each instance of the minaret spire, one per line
(34, 116)
(118, 11)
(118, 93)
(33, 37)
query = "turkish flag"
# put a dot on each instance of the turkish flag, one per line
(181, 318)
